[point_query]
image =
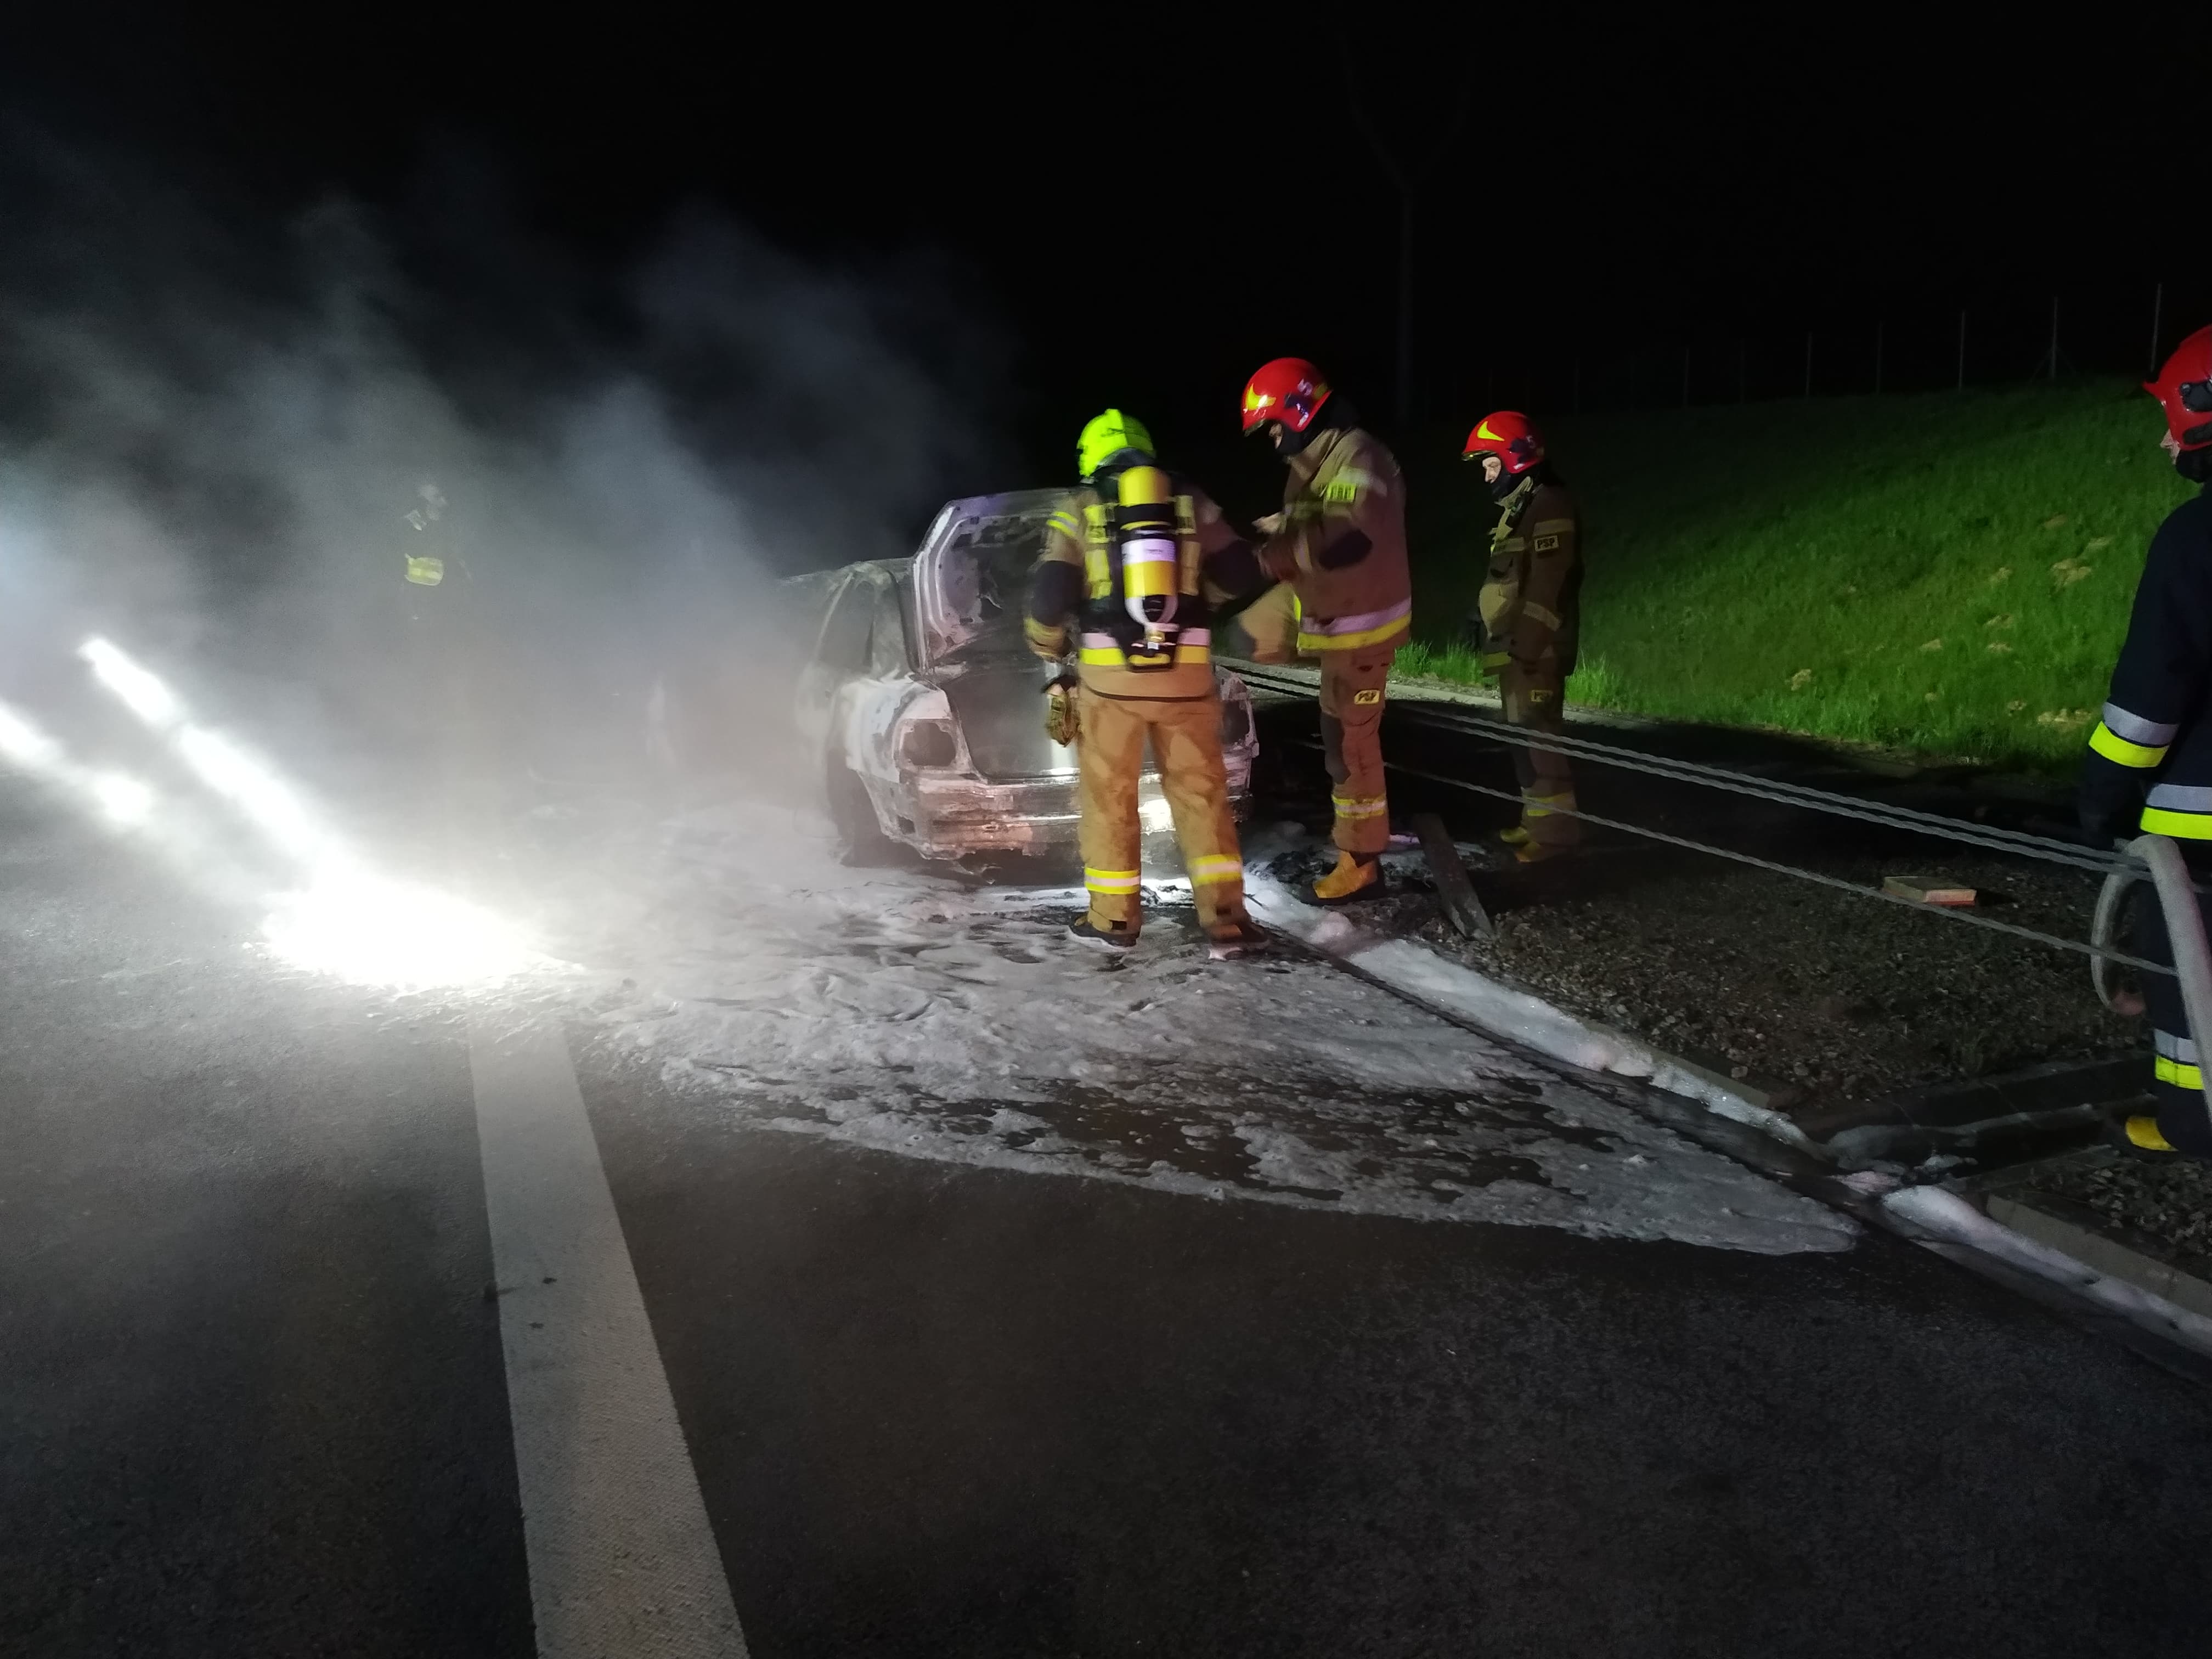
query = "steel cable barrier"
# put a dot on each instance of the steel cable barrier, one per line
(2116, 866)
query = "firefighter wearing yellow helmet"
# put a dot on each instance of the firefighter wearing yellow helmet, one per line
(1132, 563)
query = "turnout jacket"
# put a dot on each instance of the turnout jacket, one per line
(1531, 601)
(1340, 542)
(2153, 743)
(1077, 580)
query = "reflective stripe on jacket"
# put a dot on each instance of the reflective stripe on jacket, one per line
(1076, 533)
(1531, 601)
(2153, 731)
(1345, 489)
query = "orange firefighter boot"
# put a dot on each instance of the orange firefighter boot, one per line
(1356, 875)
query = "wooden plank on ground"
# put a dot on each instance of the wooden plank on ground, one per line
(1461, 907)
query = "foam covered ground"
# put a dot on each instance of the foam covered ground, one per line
(926, 1015)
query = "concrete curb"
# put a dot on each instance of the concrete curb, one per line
(1945, 1217)
(2102, 1251)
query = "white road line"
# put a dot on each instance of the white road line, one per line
(623, 1563)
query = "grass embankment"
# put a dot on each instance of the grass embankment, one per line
(1949, 574)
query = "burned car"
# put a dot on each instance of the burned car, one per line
(924, 706)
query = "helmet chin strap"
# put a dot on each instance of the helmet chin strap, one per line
(1507, 490)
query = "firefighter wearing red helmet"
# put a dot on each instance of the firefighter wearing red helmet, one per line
(1528, 619)
(1340, 544)
(2149, 766)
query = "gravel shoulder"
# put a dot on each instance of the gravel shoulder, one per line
(1835, 997)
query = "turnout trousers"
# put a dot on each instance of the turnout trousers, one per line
(1533, 695)
(1352, 684)
(1185, 734)
(2177, 1078)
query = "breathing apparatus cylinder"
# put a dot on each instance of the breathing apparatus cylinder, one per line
(1150, 559)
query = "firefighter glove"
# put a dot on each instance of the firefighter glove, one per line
(2108, 802)
(1059, 716)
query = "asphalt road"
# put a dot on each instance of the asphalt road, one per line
(252, 1397)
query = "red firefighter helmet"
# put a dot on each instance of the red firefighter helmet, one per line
(1290, 390)
(2183, 391)
(1507, 434)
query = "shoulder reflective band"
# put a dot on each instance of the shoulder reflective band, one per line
(1109, 881)
(426, 573)
(2113, 747)
(1552, 526)
(1351, 484)
(2152, 734)
(1222, 867)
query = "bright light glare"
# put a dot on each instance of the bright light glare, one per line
(347, 921)
(255, 791)
(1157, 816)
(143, 694)
(373, 931)
(24, 744)
(121, 800)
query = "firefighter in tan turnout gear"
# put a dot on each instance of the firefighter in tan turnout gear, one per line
(1135, 559)
(1529, 618)
(1340, 544)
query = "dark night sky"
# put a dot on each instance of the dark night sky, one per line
(1583, 194)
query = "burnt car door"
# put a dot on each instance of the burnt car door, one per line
(971, 580)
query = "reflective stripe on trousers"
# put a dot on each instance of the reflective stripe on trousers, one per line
(1186, 742)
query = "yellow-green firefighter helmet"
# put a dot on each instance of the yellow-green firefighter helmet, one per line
(1108, 435)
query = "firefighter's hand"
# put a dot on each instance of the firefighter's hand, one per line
(2107, 804)
(1060, 720)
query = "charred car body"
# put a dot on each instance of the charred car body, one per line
(923, 705)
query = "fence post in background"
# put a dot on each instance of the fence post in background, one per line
(1962, 350)
(2054, 337)
(2157, 306)
(1739, 352)
(1877, 360)
(1808, 363)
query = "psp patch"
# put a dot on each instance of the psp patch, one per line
(1547, 544)
(1366, 699)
